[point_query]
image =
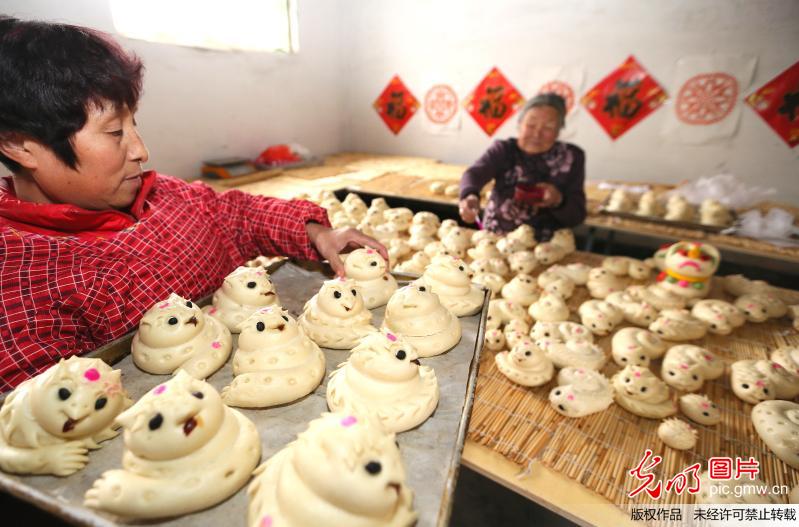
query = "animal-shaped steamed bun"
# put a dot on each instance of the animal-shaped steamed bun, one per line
(383, 377)
(777, 423)
(176, 334)
(526, 365)
(448, 277)
(49, 422)
(635, 311)
(599, 316)
(574, 353)
(549, 308)
(243, 292)
(636, 346)
(640, 392)
(343, 471)
(580, 392)
(275, 362)
(687, 367)
(184, 451)
(522, 289)
(761, 380)
(370, 272)
(678, 325)
(336, 317)
(719, 316)
(417, 314)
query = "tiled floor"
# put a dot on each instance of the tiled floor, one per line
(479, 502)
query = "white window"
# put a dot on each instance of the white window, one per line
(256, 25)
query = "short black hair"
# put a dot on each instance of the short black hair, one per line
(50, 74)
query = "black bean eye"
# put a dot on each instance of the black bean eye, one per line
(593, 325)
(546, 334)
(643, 357)
(671, 373)
(557, 392)
(712, 326)
(189, 304)
(373, 264)
(156, 422)
(251, 285)
(624, 359)
(706, 414)
(64, 394)
(337, 294)
(528, 353)
(643, 389)
(172, 321)
(99, 404)
(627, 379)
(353, 292)
(198, 395)
(373, 467)
(285, 318)
(423, 289)
(460, 267)
(745, 386)
(765, 390)
(260, 326)
(401, 355)
(561, 408)
(694, 377)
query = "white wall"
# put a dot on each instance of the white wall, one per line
(461, 41)
(207, 104)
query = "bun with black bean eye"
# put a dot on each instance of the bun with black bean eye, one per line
(156, 422)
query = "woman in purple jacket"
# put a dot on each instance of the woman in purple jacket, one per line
(538, 179)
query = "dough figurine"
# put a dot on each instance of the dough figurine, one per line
(788, 358)
(581, 392)
(687, 367)
(335, 317)
(484, 249)
(525, 365)
(500, 312)
(383, 377)
(397, 249)
(477, 236)
(700, 409)
(634, 311)
(656, 296)
(750, 383)
(275, 363)
(599, 316)
(457, 240)
(564, 238)
(559, 285)
(515, 330)
(620, 201)
(678, 209)
(640, 392)
(719, 316)
(522, 262)
(416, 313)
(184, 451)
(401, 217)
(561, 331)
(494, 340)
(636, 346)
(525, 234)
(243, 292)
(625, 266)
(739, 285)
(521, 290)
(758, 307)
(416, 264)
(448, 278)
(508, 246)
(49, 422)
(678, 325)
(549, 308)
(576, 272)
(649, 205)
(369, 271)
(577, 354)
(688, 269)
(343, 471)
(777, 424)
(602, 282)
(677, 434)
(445, 227)
(711, 212)
(175, 334)
(548, 253)
(491, 281)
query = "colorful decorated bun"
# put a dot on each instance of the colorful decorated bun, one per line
(243, 292)
(49, 422)
(275, 362)
(176, 334)
(336, 317)
(343, 471)
(184, 451)
(383, 378)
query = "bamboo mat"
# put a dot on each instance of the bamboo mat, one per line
(599, 450)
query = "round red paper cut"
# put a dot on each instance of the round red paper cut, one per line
(562, 89)
(707, 98)
(440, 104)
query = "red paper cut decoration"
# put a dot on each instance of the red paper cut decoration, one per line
(707, 98)
(777, 102)
(560, 88)
(396, 105)
(440, 104)
(623, 98)
(493, 101)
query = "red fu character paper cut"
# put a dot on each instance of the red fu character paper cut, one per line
(493, 101)
(623, 98)
(396, 105)
(777, 102)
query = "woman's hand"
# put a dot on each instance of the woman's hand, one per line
(469, 208)
(332, 242)
(552, 196)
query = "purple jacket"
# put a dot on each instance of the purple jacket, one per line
(563, 165)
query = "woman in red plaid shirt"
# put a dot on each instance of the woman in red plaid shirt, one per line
(88, 240)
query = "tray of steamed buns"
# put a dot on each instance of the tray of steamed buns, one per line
(291, 398)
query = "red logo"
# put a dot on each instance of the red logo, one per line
(678, 483)
(707, 98)
(440, 104)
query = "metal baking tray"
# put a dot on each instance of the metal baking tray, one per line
(431, 452)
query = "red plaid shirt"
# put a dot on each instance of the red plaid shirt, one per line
(69, 292)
